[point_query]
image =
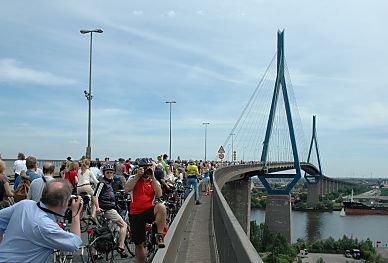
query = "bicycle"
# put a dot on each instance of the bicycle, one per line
(103, 241)
(150, 242)
(86, 214)
(59, 256)
(123, 201)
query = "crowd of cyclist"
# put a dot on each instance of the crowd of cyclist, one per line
(144, 179)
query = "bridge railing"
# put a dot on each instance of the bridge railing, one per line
(175, 233)
(233, 244)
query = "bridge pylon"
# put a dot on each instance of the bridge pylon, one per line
(280, 86)
(310, 178)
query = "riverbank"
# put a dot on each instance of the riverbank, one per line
(383, 252)
(315, 209)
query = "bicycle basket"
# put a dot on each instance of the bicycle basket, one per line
(104, 241)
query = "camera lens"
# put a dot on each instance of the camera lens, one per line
(148, 171)
(71, 199)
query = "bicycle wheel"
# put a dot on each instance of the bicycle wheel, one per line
(84, 254)
(150, 243)
(129, 245)
(100, 250)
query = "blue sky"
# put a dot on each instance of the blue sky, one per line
(206, 55)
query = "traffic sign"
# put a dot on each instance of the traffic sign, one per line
(221, 150)
(221, 156)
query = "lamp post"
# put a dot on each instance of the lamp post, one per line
(232, 134)
(206, 124)
(170, 102)
(88, 95)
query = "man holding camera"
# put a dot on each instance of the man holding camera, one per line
(31, 232)
(144, 187)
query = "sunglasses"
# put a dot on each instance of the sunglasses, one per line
(109, 172)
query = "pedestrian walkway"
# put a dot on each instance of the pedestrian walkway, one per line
(196, 242)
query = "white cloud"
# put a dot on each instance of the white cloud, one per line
(137, 12)
(13, 71)
(200, 12)
(171, 13)
(75, 142)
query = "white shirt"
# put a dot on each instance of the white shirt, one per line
(97, 172)
(86, 178)
(170, 177)
(180, 178)
(39, 171)
(19, 165)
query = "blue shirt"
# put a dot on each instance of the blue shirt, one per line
(31, 235)
(29, 173)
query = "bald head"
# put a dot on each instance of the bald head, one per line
(48, 168)
(56, 192)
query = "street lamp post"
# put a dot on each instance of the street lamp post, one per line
(88, 95)
(232, 134)
(206, 124)
(170, 102)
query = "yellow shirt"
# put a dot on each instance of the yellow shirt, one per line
(192, 170)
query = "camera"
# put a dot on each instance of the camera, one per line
(147, 171)
(68, 214)
(72, 197)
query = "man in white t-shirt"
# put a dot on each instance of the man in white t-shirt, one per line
(19, 165)
(94, 169)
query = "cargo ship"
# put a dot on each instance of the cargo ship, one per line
(357, 208)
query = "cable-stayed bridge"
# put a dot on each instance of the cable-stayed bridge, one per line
(267, 141)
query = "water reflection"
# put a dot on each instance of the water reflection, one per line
(313, 226)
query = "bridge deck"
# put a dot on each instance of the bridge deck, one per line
(196, 242)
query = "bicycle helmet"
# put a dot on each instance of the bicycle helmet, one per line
(108, 167)
(144, 162)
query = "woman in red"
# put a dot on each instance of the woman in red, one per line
(72, 175)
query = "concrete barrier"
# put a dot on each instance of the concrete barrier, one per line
(175, 233)
(233, 244)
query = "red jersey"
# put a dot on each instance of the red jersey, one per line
(143, 195)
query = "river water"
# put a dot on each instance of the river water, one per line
(313, 226)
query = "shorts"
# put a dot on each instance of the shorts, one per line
(206, 181)
(85, 188)
(113, 215)
(138, 223)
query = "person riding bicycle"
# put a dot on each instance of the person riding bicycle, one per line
(144, 187)
(107, 203)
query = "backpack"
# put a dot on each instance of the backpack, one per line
(3, 199)
(22, 190)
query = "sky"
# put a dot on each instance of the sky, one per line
(208, 56)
